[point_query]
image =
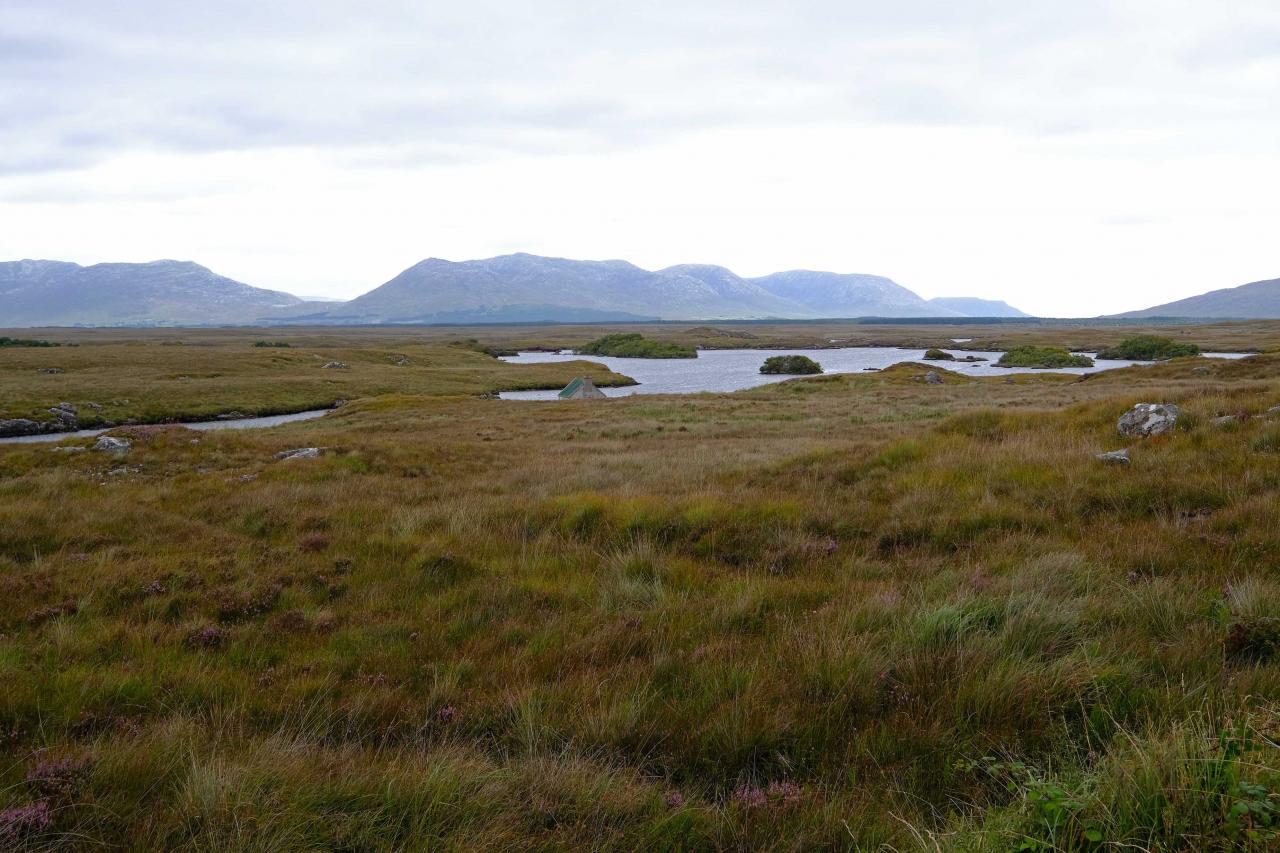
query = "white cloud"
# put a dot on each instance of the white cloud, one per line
(1071, 159)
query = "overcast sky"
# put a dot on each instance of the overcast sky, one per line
(1073, 158)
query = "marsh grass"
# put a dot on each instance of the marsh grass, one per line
(709, 622)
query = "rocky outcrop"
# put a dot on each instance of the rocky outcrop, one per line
(66, 414)
(20, 426)
(111, 444)
(1148, 419)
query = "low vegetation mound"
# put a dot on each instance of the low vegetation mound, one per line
(1149, 348)
(272, 344)
(790, 365)
(26, 342)
(1043, 358)
(636, 345)
(487, 349)
(935, 354)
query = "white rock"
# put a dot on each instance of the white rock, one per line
(1146, 419)
(1114, 457)
(300, 453)
(110, 444)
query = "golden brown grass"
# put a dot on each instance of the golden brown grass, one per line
(850, 612)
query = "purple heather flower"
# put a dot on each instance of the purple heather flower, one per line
(788, 792)
(751, 797)
(675, 800)
(20, 821)
(60, 778)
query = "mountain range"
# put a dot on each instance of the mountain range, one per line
(56, 293)
(1259, 300)
(510, 288)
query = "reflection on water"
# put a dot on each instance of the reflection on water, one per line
(735, 369)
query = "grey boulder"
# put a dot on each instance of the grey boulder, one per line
(933, 377)
(20, 426)
(1147, 419)
(111, 444)
(1114, 457)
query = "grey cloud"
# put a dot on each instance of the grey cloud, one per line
(82, 80)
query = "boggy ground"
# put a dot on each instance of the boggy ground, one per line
(849, 612)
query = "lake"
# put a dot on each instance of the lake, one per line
(736, 369)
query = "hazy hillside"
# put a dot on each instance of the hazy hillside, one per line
(55, 293)
(1259, 300)
(829, 294)
(971, 306)
(510, 288)
(530, 287)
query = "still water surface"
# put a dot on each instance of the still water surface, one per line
(735, 369)
(237, 423)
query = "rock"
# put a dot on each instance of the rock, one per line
(933, 378)
(230, 416)
(1204, 368)
(97, 407)
(111, 444)
(1273, 412)
(20, 426)
(1114, 457)
(51, 370)
(70, 448)
(299, 453)
(66, 414)
(1225, 420)
(333, 365)
(1147, 419)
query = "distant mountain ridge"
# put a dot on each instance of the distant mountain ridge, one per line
(509, 288)
(1259, 300)
(972, 307)
(437, 290)
(57, 293)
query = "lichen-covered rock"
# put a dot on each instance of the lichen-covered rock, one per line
(111, 444)
(1114, 457)
(334, 365)
(933, 378)
(1147, 419)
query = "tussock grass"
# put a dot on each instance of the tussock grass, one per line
(870, 614)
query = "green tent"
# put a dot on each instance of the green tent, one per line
(582, 389)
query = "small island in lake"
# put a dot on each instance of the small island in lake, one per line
(790, 365)
(1149, 348)
(635, 345)
(1043, 358)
